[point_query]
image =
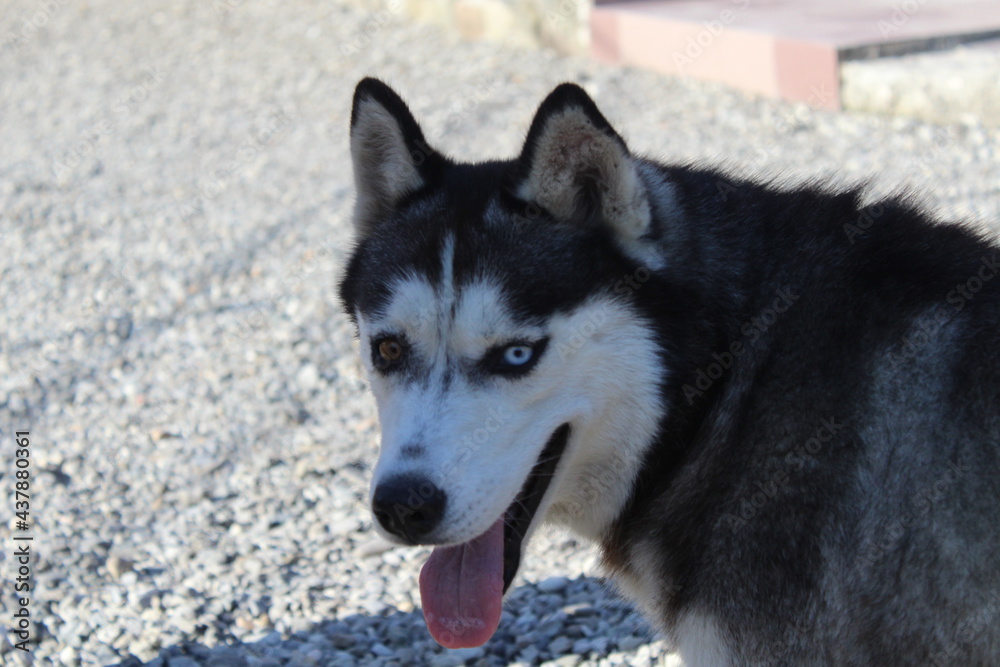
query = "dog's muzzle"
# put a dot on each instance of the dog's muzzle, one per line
(462, 586)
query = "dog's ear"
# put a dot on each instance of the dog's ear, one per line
(574, 165)
(390, 157)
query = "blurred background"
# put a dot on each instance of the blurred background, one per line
(175, 195)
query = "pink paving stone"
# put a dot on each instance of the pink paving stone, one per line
(785, 48)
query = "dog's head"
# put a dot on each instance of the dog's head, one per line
(500, 320)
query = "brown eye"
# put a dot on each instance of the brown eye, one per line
(390, 350)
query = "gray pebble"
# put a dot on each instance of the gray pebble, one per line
(559, 645)
(468, 654)
(117, 566)
(381, 650)
(225, 656)
(631, 643)
(553, 584)
(565, 661)
(445, 660)
(182, 661)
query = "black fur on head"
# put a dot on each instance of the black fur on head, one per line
(573, 190)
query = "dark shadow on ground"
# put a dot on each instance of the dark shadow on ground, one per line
(585, 619)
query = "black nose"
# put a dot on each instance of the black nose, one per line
(409, 507)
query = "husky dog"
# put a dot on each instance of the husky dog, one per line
(776, 411)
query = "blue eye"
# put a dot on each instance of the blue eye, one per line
(518, 355)
(514, 359)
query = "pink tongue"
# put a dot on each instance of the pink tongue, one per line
(462, 590)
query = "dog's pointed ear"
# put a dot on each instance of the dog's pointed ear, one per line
(574, 164)
(388, 151)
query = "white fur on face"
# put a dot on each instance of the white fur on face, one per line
(478, 437)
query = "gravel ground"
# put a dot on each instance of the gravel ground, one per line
(175, 194)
